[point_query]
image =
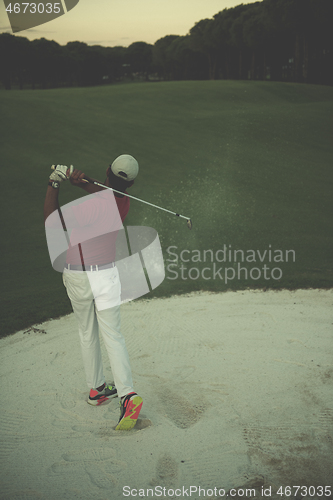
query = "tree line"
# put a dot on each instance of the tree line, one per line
(280, 40)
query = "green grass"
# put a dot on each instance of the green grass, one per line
(249, 162)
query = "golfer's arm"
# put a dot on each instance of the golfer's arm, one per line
(51, 201)
(90, 188)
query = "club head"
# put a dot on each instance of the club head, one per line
(189, 223)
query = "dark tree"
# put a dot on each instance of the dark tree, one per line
(163, 65)
(47, 63)
(255, 37)
(187, 63)
(202, 41)
(139, 56)
(14, 60)
(287, 40)
(227, 36)
(115, 58)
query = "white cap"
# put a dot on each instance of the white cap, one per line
(126, 167)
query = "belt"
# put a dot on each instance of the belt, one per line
(89, 267)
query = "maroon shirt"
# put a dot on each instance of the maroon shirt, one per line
(94, 224)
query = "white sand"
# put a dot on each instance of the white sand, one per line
(237, 391)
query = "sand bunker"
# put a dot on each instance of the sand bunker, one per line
(237, 391)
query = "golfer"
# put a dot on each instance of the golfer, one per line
(92, 281)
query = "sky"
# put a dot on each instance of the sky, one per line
(121, 22)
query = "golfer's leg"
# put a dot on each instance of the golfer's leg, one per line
(90, 346)
(82, 300)
(109, 325)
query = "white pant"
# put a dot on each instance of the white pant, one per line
(95, 298)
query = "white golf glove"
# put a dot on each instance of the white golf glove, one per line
(59, 173)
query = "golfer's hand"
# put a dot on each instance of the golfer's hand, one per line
(76, 178)
(61, 172)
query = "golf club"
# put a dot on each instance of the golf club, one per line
(87, 179)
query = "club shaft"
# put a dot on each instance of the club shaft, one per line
(134, 198)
